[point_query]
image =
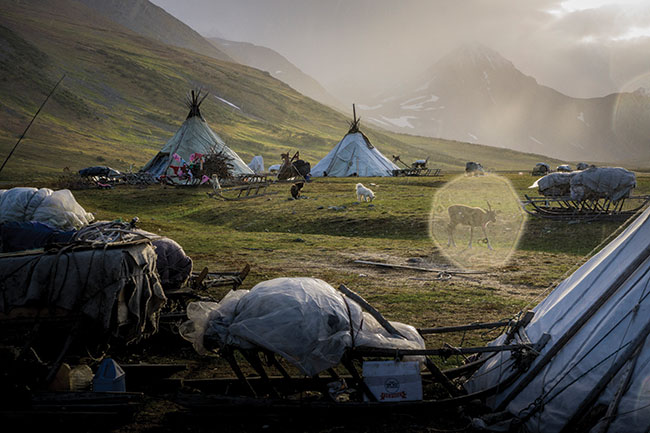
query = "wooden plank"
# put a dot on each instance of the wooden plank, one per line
(415, 268)
(462, 328)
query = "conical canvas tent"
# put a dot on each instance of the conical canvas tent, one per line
(354, 155)
(596, 361)
(194, 136)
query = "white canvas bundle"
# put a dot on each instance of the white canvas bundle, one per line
(56, 208)
(305, 320)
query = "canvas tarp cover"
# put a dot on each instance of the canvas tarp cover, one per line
(612, 183)
(562, 384)
(58, 209)
(305, 320)
(554, 184)
(117, 287)
(353, 155)
(257, 164)
(194, 136)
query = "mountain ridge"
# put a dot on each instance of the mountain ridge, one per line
(475, 94)
(152, 21)
(267, 59)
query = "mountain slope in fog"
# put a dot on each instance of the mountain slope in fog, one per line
(474, 94)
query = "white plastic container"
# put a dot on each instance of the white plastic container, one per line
(393, 380)
(109, 377)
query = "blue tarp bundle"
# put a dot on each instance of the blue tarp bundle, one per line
(19, 236)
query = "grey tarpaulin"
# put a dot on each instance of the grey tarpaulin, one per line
(117, 286)
(612, 183)
(305, 320)
(554, 185)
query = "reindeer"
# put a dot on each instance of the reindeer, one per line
(472, 217)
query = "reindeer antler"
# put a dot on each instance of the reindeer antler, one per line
(488, 203)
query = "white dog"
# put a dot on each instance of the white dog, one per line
(364, 194)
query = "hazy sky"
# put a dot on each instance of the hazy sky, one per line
(357, 47)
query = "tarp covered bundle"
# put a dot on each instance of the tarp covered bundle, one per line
(305, 320)
(58, 209)
(598, 320)
(173, 265)
(554, 184)
(20, 236)
(541, 168)
(612, 183)
(99, 170)
(117, 287)
(354, 156)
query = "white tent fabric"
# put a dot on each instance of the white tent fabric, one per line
(615, 283)
(354, 155)
(257, 164)
(194, 136)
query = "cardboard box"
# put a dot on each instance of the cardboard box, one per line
(393, 380)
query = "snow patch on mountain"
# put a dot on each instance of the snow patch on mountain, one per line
(228, 103)
(581, 117)
(370, 107)
(380, 122)
(474, 137)
(420, 105)
(408, 101)
(423, 87)
(390, 98)
(402, 122)
(535, 140)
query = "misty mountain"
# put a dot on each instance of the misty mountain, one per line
(278, 66)
(147, 19)
(474, 94)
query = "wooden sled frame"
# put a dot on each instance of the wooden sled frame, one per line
(285, 395)
(416, 172)
(247, 186)
(564, 208)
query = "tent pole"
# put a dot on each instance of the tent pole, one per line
(606, 420)
(577, 325)
(587, 403)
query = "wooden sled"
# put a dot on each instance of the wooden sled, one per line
(341, 391)
(246, 187)
(416, 172)
(564, 208)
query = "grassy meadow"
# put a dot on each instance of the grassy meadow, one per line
(324, 232)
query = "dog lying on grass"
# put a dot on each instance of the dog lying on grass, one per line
(364, 194)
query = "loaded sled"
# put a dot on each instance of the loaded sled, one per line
(595, 193)
(339, 357)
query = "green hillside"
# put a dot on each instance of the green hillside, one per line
(123, 94)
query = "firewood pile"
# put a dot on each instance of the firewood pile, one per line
(215, 163)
